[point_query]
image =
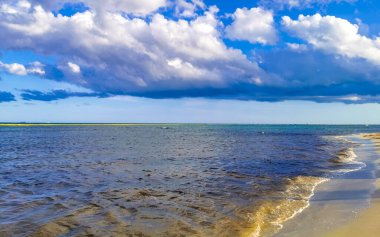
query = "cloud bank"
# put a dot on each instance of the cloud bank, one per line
(174, 49)
(129, 55)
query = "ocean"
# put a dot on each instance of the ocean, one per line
(172, 180)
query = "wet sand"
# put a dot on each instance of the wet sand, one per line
(347, 206)
(367, 223)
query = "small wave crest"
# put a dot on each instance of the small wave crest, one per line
(271, 214)
(344, 156)
(347, 158)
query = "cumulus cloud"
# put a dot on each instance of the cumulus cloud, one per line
(148, 53)
(255, 25)
(73, 67)
(14, 68)
(136, 7)
(35, 68)
(297, 47)
(290, 4)
(130, 55)
(186, 8)
(334, 35)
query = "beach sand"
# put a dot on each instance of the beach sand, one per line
(346, 206)
(367, 223)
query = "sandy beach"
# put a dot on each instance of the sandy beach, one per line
(348, 205)
(367, 223)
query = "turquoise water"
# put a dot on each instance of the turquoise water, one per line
(180, 180)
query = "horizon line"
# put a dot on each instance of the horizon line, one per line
(26, 124)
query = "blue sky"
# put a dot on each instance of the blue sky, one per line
(282, 61)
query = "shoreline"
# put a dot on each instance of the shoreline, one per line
(366, 223)
(345, 206)
(290, 208)
(295, 205)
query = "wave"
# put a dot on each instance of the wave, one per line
(270, 216)
(346, 157)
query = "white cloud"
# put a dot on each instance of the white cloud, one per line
(24, 4)
(334, 35)
(351, 98)
(280, 4)
(257, 81)
(186, 8)
(73, 67)
(110, 52)
(125, 54)
(297, 47)
(175, 63)
(136, 7)
(186, 70)
(255, 25)
(35, 68)
(14, 68)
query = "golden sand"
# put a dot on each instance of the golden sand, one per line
(367, 223)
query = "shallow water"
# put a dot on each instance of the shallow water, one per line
(341, 201)
(194, 180)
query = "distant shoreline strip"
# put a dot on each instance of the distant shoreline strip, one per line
(81, 124)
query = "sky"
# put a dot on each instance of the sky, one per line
(195, 61)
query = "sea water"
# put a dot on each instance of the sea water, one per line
(177, 180)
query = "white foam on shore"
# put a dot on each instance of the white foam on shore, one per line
(344, 138)
(351, 155)
(296, 212)
(350, 159)
(300, 210)
(302, 203)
